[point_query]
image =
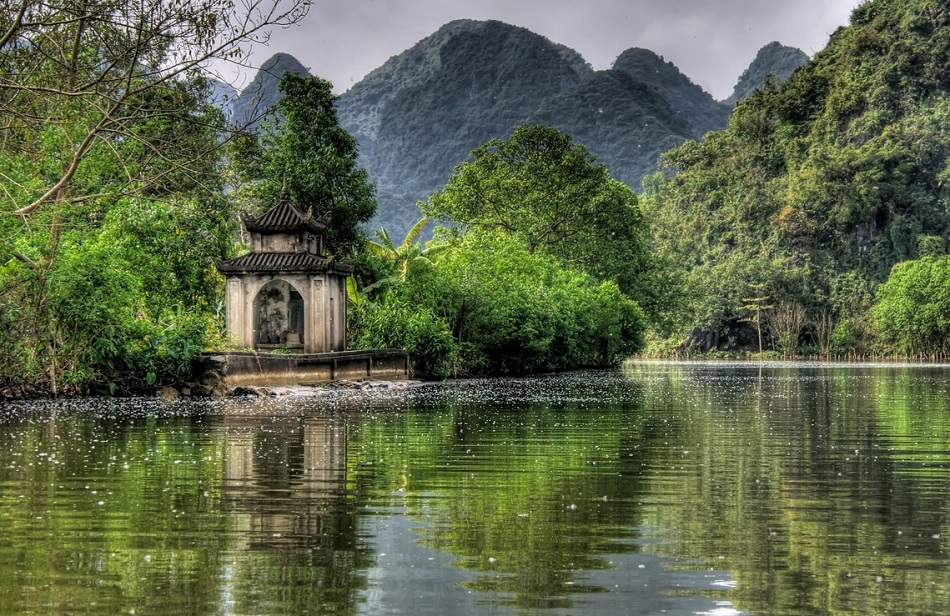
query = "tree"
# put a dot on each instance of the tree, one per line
(407, 254)
(756, 306)
(550, 193)
(506, 310)
(305, 146)
(111, 206)
(85, 75)
(913, 307)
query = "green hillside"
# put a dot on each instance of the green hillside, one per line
(628, 124)
(800, 208)
(424, 110)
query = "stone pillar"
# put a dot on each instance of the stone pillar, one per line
(314, 312)
(252, 286)
(236, 312)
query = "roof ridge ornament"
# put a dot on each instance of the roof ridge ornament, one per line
(284, 190)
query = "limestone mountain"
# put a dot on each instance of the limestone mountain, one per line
(223, 95)
(689, 101)
(774, 61)
(261, 94)
(625, 122)
(424, 110)
(819, 186)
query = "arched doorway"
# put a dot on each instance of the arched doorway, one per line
(279, 316)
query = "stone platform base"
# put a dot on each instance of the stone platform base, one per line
(271, 369)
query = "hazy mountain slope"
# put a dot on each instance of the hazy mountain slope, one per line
(695, 105)
(774, 61)
(423, 111)
(261, 94)
(625, 122)
(223, 95)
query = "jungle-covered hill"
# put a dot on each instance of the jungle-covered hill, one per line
(424, 110)
(800, 208)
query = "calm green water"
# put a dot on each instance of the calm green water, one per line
(707, 489)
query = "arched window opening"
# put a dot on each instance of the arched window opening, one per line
(279, 316)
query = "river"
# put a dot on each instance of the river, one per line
(712, 489)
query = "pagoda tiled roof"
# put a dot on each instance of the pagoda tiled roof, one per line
(277, 262)
(286, 218)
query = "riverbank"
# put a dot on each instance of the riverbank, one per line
(277, 391)
(747, 355)
(219, 375)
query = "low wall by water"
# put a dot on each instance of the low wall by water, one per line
(271, 369)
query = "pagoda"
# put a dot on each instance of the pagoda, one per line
(286, 294)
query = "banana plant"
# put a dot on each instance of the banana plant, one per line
(406, 255)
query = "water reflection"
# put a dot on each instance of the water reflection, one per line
(804, 491)
(662, 489)
(285, 488)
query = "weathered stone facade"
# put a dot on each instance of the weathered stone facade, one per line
(285, 293)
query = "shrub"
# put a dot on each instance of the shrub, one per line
(913, 307)
(505, 310)
(394, 323)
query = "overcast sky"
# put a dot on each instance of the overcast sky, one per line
(711, 41)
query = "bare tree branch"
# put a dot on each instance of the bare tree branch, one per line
(99, 60)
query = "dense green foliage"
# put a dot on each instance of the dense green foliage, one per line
(111, 210)
(550, 193)
(491, 306)
(118, 291)
(817, 187)
(304, 149)
(913, 307)
(535, 274)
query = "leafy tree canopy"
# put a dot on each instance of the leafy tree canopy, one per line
(913, 307)
(111, 207)
(550, 193)
(305, 146)
(88, 74)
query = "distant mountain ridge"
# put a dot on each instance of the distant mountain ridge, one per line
(424, 110)
(686, 98)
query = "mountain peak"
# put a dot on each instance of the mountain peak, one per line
(774, 61)
(261, 94)
(691, 102)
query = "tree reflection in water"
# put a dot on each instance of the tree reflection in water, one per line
(664, 488)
